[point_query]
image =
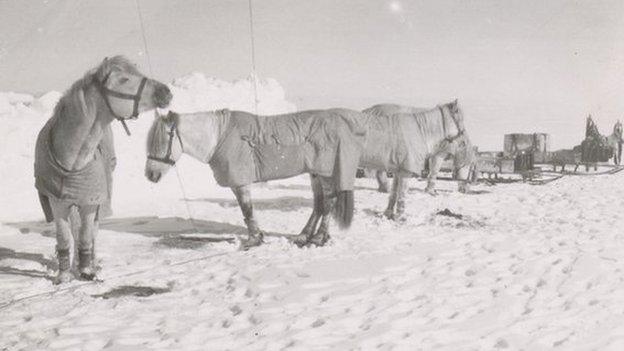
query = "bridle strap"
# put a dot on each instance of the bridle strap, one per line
(106, 92)
(460, 131)
(173, 132)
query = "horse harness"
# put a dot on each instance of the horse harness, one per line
(460, 131)
(173, 132)
(136, 98)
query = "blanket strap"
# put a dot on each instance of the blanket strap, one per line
(251, 143)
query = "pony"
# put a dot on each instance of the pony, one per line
(405, 142)
(615, 142)
(75, 157)
(243, 148)
(387, 110)
(565, 157)
(587, 151)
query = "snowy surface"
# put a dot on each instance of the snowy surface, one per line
(526, 267)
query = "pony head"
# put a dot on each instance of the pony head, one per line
(164, 146)
(617, 129)
(460, 147)
(126, 91)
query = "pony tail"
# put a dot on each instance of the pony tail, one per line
(343, 209)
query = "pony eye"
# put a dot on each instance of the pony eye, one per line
(123, 80)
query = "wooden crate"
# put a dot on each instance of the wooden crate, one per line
(517, 142)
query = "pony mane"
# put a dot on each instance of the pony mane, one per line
(154, 134)
(158, 132)
(431, 120)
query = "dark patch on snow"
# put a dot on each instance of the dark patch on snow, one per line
(449, 213)
(131, 290)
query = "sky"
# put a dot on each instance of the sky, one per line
(515, 66)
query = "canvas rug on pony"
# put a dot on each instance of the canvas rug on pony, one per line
(91, 185)
(401, 141)
(260, 148)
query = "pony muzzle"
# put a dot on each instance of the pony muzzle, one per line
(162, 96)
(153, 176)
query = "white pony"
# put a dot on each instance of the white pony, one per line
(404, 142)
(74, 154)
(242, 148)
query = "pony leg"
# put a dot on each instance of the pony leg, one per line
(86, 240)
(254, 234)
(389, 212)
(322, 234)
(435, 162)
(307, 231)
(382, 181)
(60, 211)
(401, 187)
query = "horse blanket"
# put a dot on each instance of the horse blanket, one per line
(401, 141)
(259, 148)
(91, 185)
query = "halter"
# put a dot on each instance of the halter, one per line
(136, 98)
(173, 131)
(452, 139)
(460, 131)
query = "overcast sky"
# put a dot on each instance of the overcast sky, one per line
(516, 66)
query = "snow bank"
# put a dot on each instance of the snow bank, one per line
(196, 92)
(23, 115)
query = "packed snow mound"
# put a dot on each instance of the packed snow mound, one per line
(23, 115)
(14, 104)
(195, 92)
(46, 102)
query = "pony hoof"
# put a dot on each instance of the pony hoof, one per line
(253, 241)
(399, 217)
(87, 275)
(300, 240)
(319, 241)
(382, 190)
(63, 277)
(431, 192)
(389, 215)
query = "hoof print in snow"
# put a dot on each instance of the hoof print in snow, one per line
(501, 344)
(236, 310)
(317, 323)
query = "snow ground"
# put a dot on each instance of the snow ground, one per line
(526, 267)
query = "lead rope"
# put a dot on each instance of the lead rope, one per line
(149, 64)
